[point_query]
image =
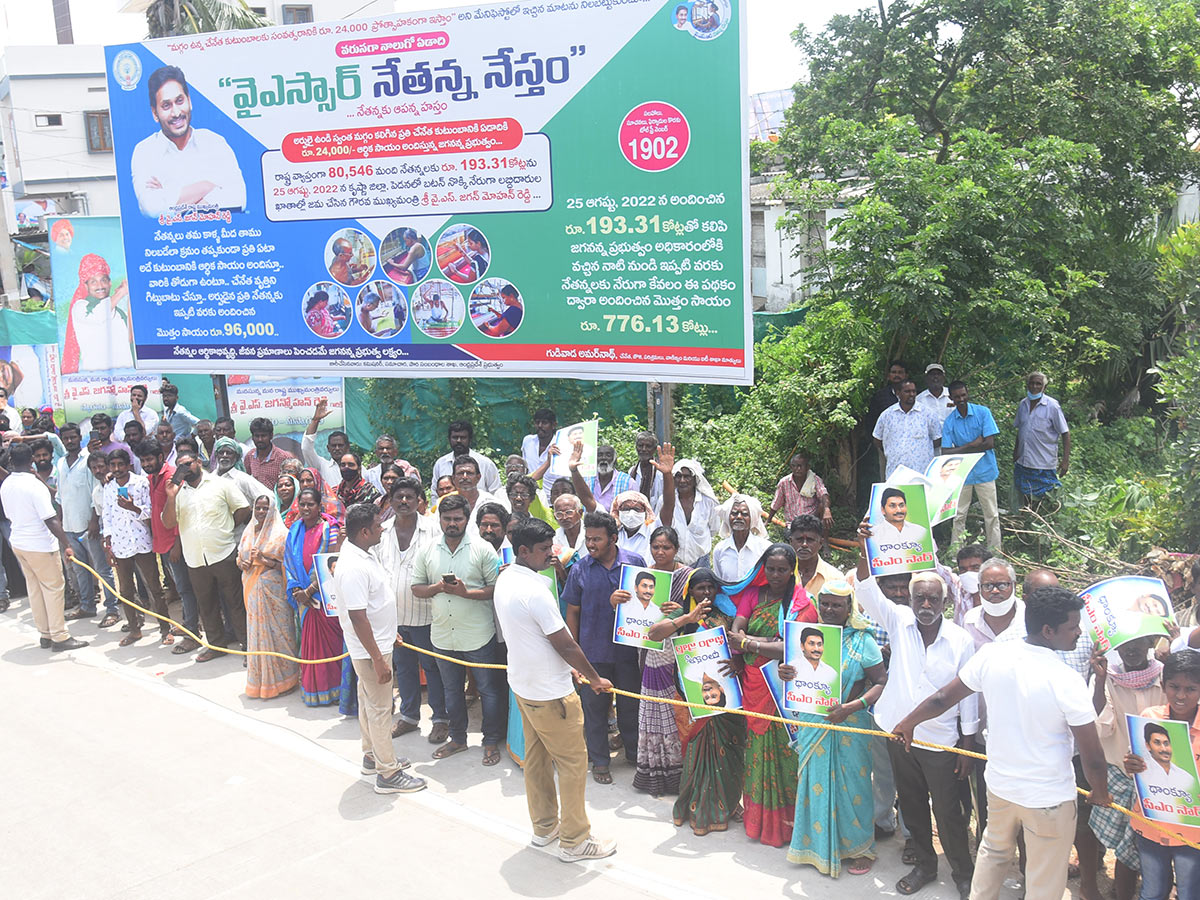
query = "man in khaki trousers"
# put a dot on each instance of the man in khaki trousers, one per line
(542, 660)
(1037, 713)
(37, 536)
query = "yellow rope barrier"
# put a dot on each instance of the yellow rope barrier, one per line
(685, 703)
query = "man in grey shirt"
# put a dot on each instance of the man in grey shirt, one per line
(1039, 424)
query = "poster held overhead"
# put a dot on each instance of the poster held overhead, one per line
(1126, 607)
(901, 539)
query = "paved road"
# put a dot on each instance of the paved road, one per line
(128, 774)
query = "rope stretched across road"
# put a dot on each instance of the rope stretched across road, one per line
(640, 697)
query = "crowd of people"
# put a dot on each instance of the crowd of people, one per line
(522, 568)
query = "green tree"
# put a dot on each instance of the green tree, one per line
(166, 18)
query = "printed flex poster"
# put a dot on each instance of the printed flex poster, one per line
(524, 189)
(648, 590)
(698, 657)
(901, 539)
(326, 564)
(1168, 790)
(1126, 607)
(587, 433)
(815, 652)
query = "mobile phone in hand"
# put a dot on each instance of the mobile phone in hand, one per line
(123, 491)
(450, 578)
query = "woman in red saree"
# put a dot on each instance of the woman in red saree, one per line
(768, 596)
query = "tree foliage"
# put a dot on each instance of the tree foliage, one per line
(167, 18)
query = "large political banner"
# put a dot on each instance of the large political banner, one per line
(520, 189)
(288, 403)
(94, 308)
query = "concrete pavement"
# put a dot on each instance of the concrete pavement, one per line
(133, 773)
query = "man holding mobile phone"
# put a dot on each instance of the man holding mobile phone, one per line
(463, 625)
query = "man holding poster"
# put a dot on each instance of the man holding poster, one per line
(640, 608)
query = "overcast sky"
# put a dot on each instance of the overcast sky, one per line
(774, 61)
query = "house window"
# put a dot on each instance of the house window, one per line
(99, 131)
(259, 11)
(296, 15)
(48, 120)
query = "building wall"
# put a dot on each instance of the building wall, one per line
(325, 10)
(45, 159)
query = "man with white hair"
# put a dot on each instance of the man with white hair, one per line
(1039, 423)
(743, 538)
(927, 652)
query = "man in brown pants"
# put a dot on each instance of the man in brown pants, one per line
(542, 657)
(206, 509)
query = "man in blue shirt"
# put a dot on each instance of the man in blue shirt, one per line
(591, 616)
(970, 428)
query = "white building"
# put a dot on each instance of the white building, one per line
(55, 127)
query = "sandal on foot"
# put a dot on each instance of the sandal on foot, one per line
(602, 776)
(131, 638)
(166, 639)
(908, 855)
(187, 645)
(860, 866)
(448, 749)
(441, 731)
(108, 621)
(491, 755)
(915, 880)
(78, 613)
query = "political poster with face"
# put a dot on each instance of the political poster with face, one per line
(946, 476)
(815, 652)
(565, 439)
(901, 539)
(777, 688)
(326, 564)
(648, 590)
(1168, 788)
(523, 189)
(698, 657)
(1126, 607)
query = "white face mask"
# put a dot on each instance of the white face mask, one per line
(999, 608)
(632, 518)
(970, 582)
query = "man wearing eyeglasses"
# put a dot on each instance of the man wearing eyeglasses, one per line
(999, 613)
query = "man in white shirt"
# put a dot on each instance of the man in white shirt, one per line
(138, 394)
(367, 613)
(905, 434)
(460, 434)
(935, 399)
(337, 443)
(466, 482)
(178, 165)
(1037, 712)
(406, 537)
(36, 538)
(927, 653)
(535, 448)
(387, 451)
(743, 538)
(542, 658)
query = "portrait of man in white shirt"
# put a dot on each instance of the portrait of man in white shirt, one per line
(895, 534)
(813, 674)
(1163, 780)
(640, 611)
(180, 166)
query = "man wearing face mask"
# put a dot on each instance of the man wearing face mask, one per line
(1039, 423)
(999, 612)
(927, 653)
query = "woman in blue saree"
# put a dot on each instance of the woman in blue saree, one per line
(834, 820)
(320, 635)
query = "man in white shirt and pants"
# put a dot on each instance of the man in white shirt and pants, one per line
(367, 612)
(1036, 714)
(542, 658)
(928, 651)
(37, 535)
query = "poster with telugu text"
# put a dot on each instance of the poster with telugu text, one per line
(520, 189)
(901, 539)
(1120, 609)
(814, 650)
(698, 658)
(288, 403)
(648, 590)
(1168, 788)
